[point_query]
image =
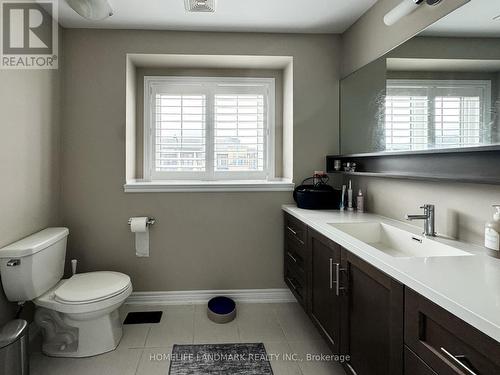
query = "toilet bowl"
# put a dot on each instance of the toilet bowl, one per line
(79, 315)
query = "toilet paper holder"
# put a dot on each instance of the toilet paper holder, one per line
(149, 222)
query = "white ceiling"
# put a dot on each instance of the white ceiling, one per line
(301, 16)
(474, 19)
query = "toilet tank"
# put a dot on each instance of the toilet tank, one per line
(33, 265)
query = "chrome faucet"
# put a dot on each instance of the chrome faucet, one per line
(429, 217)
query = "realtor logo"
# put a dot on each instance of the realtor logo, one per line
(29, 34)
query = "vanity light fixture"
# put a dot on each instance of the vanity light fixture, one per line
(405, 8)
(94, 10)
(200, 6)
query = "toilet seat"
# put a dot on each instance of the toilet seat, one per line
(90, 323)
(99, 299)
(91, 287)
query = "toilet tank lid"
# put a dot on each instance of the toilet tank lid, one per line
(34, 243)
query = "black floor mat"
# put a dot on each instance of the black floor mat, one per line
(143, 317)
(234, 359)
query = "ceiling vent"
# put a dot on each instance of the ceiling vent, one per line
(200, 5)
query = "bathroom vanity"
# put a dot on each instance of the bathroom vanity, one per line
(392, 300)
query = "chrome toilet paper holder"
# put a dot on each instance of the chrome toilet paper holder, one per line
(151, 221)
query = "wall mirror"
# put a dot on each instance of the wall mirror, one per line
(438, 91)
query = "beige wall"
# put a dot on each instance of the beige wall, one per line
(29, 157)
(449, 48)
(462, 209)
(201, 240)
(369, 38)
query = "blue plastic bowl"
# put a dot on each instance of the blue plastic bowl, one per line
(221, 310)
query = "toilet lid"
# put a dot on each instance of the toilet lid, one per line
(92, 287)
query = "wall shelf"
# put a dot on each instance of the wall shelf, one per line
(476, 165)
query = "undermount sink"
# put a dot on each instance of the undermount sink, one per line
(397, 242)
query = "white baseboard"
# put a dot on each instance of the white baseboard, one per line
(202, 296)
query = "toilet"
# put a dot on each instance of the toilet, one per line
(78, 316)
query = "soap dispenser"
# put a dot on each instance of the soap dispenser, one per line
(492, 234)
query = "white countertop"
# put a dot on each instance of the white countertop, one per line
(466, 286)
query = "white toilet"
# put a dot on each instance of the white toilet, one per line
(79, 316)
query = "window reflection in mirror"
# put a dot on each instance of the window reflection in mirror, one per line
(430, 93)
(422, 114)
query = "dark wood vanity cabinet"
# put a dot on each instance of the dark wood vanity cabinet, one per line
(357, 308)
(372, 319)
(325, 298)
(384, 327)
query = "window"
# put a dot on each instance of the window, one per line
(427, 114)
(209, 128)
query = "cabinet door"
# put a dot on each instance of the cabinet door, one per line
(372, 319)
(325, 303)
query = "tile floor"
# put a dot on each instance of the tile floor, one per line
(283, 328)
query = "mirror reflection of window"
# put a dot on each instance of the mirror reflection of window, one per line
(428, 114)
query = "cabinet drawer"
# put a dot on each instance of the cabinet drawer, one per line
(415, 366)
(296, 284)
(447, 344)
(295, 258)
(296, 265)
(295, 248)
(295, 233)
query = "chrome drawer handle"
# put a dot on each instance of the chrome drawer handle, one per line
(351, 369)
(13, 262)
(337, 278)
(291, 257)
(291, 283)
(338, 288)
(331, 273)
(455, 360)
(295, 234)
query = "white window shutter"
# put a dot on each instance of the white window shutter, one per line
(180, 133)
(210, 128)
(239, 139)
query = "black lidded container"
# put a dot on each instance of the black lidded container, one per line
(317, 195)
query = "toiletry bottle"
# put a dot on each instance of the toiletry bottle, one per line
(342, 198)
(492, 234)
(360, 201)
(350, 197)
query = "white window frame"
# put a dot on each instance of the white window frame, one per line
(429, 89)
(209, 86)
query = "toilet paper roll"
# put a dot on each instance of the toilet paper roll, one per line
(139, 226)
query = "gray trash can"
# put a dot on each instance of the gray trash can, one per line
(14, 348)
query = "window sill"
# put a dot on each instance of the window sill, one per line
(183, 186)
